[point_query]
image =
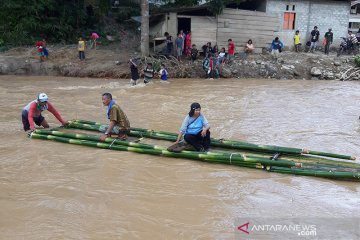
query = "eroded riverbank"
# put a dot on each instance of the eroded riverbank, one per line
(112, 62)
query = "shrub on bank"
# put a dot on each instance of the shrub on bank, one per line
(357, 60)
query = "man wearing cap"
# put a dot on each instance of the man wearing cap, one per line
(31, 113)
(195, 129)
(328, 40)
(119, 123)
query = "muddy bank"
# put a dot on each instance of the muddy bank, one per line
(111, 62)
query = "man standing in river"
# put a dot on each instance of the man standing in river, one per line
(31, 113)
(119, 123)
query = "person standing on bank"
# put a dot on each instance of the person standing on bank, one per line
(328, 40)
(119, 123)
(31, 113)
(195, 129)
(81, 49)
(179, 44)
(314, 35)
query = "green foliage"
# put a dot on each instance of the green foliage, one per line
(187, 2)
(357, 60)
(217, 6)
(125, 13)
(27, 21)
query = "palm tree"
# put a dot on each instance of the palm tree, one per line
(144, 28)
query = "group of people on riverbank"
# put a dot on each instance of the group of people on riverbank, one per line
(184, 46)
(351, 40)
(195, 128)
(43, 52)
(82, 45)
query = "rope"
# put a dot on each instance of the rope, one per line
(112, 143)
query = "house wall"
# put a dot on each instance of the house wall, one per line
(158, 30)
(321, 13)
(203, 30)
(241, 25)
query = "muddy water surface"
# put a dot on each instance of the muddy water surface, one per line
(50, 190)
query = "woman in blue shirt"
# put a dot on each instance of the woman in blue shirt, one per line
(195, 129)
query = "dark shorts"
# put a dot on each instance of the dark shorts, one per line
(24, 115)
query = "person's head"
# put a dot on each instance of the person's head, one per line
(350, 32)
(194, 46)
(297, 32)
(315, 28)
(162, 66)
(230, 40)
(179, 35)
(209, 44)
(223, 49)
(250, 41)
(166, 34)
(276, 39)
(149, 65)
(195, 109)
(42, 99)
(106, 98)
(330, 29)
(181, 31)
(80, 39)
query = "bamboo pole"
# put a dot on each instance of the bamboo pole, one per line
(239, 160)
(296, 159)
(215, 142)
(225, 158)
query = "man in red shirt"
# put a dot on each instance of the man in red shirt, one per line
(231, 49)
(31, 113)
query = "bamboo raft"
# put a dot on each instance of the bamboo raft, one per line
(266, 157)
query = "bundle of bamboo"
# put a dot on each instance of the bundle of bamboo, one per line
(292, 161)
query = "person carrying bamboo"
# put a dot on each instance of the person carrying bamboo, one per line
(119, 123)
(31, 113)
(195, 129)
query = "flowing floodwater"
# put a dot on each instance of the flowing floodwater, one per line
(50, 190)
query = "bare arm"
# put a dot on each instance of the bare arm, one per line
(108, 131)
(179, 137)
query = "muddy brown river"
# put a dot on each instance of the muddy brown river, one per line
(51, 190)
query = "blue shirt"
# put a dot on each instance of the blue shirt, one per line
(164, 74)
(179, 42)
(193, 125)
(276, 45)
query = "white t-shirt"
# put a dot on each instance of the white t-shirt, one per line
(250, 46)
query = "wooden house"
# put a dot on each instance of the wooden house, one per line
(238, 25)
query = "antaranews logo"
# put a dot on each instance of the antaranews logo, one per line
(286, 228)
(244, 228)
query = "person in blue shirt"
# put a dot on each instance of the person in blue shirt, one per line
(276, 47)
(195, 129)
(163, 73)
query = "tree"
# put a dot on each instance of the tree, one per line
(144, 28)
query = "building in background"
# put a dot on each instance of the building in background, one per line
(304, 15)
(259, 20)
(354, 20)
